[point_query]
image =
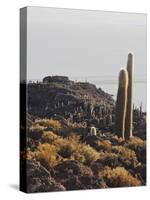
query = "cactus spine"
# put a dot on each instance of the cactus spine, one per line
(129, 111)
(121, 103)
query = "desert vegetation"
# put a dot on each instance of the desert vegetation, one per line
(77, 137)
(75, 162)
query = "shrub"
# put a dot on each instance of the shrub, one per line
(119, 177)
(49, 123)
(49, 137)
(115, 140)
(105, 159)
(28, 155)
(136, 141)
(74, 138)
(47, 155)
(36, 128)
(78, 157)
(139, 146)
(109, 159)
(89, 153)
(104, 145)
(72, 148)
(124, 151)
(66, 149)
(126, 156)
(66, 146)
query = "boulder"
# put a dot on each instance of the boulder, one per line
(74, 176)
(39, 179)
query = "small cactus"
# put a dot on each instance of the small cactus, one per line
(109, 118)
(93, 131)
(121, 103)
(141, 110)
(90, 110)
(104, 121)
(129, 112)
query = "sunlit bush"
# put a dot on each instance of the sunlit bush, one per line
(124, 151)
(37, 127)
(126, 156)
(28, 155)
(105, 159)
(78, 157)
(119, 177)
(47, 155)
(109, 159)
(104, 145)
(49, 137)
(139, 146)
(65, 148)
(115, 140)
(136, 141)
(72, 148)
(49, 123)
(89, 153)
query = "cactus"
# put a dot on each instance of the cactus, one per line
(133, 107)
(100, 112)
(90, 110)
(93, 131)
(109, 118)
(129, 111)
(104, 121)
(121, 103)
(141, 110)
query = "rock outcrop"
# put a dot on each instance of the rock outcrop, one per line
(74, 176)
(39, 179)
(74, 101)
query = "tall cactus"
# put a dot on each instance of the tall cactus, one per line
(129, 112)
(141, 110)
(121, 103)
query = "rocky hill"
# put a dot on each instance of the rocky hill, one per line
(62, 98)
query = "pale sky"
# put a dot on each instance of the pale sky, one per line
(83, 43)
